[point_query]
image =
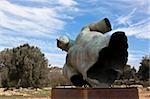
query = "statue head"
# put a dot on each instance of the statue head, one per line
(62, 42)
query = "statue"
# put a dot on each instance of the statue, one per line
(94, 59)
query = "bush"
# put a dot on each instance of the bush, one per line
(26, 65)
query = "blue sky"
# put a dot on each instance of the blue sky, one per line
(40, 22)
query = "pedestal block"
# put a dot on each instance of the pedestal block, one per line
(94, 93)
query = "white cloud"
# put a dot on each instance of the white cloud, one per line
(139, 30)
(39, 0)
(55, 55)
(126, 19)
(67, 2)
(135, 57)
(10, 41)
(56, 59)
(133, 60)
(32, 21)
(143, 4)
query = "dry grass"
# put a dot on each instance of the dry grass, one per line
(46, 93)
(25, 93)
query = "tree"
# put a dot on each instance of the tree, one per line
(4, 77)
(129, 73)
(27, 66)
(144, 69)
(7, 67)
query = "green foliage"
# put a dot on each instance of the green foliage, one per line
(129, 73)
(3, 76)
(144, 69)
(27, 66)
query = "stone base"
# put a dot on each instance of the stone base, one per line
(94, 93)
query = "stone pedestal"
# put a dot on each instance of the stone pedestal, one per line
(94, 93)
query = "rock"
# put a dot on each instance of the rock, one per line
(148, 88)
(47, 88)
(137, 86)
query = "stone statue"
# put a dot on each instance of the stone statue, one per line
(94, 59)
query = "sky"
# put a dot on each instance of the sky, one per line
(41, 22)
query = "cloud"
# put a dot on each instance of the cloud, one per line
(135, 57)
(29, 20)
(39, 1)
(125, 19)
(140, 29)
(134, 60)
(10, 41)
(56, 59)
(67, 2)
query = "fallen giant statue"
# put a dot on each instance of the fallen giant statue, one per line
(94, 58)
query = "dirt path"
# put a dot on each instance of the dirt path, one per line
(144, 94)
